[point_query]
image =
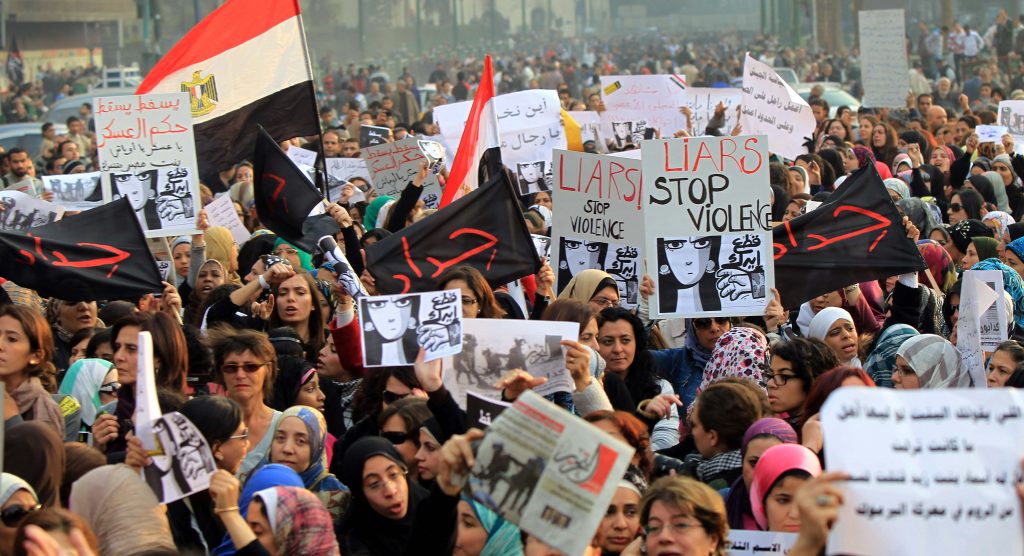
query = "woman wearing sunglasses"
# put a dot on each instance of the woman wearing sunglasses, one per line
(17, 500)
(400, 424)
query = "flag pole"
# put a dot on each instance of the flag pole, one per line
(321, 165)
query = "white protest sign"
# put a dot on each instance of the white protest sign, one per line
(759, 543)
(394, 165)
(184, 463)
(548, 471)
(704, 102)
(976, 297)
(490, 347)
(221, 212)
(301, 157)
(625, 129)
(990, 133)
(529, 126)
(75, 191)
(599, 222)
(656, 97)
(340, 170)
(590, 128)
(707, 225)
(147, 409)
(165, 268)
(771, 107)
(992, 326)
(147, 153)
(396, 326)
(883, 58)
(1011, 116)
(931, 471)
(21, 212)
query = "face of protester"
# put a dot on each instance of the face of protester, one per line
(621, 522)
(78, 351)
(396, 426)
(470, 300)
(24, 499)
(126, 359)
(830, 299)
(470, 536)
(1014, 262)
(350, 149)
(904, 377)
(939, 159)
(970, 257)
(390, 317)
(210, 276)
(836, 128)
(589, 335)
(607, 297)
(878, 136)
(850, 162)
(798, 179)
(1000, 367)
(327, 362)
(15, 351)
(428, 456)
(617, 345)
(181, 259)
(289, 253)
(792, 211)
(689, 259)
(842, 338)
(543, 199)
(310, 394)
(1004, 171)
(673, 531)
(77, 316)
(755, 448)
(385, 487)
(244, 173)
(779, 507)
(866, 128)
(705, 440)
(243, 386)
(790, 396)
(294, 300)
(290, 446)
(959, 213)
(260, 525)
(709, 330)
(397, 389)
(230, 453)
(332, 145)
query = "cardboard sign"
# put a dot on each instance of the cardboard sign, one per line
(600, 221)
(394, 165)
(707, 212)
(655, 98)
(221, 212)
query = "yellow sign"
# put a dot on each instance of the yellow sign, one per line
(202, 93)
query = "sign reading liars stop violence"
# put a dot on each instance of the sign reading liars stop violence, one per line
(707, 212)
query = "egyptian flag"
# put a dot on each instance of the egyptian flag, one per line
(15, 64)
(480, 134)
(96, 254)
(855, 236)
(245, 63)
(484, 229)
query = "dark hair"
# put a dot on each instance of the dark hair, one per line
(728, 409)
(823, 387)
(224, 341)
(635, 432)
(101, 336)
(79, 459)
(169, 345)
(911, 136)
(40, 338)
(316, 318)
(286, 341)
(366, 403)
(1013, 349)
(412, 411)
(828, 172)
(809, 358)
(197, 308)
(54, 520)
(1016, 380)
(216, 417)
(83, 334)
(640, 378)
(489, 308)
(569, 310)
(972, 202)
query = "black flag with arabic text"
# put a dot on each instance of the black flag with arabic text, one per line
(484, 229)
(855, 236)
(97, 254)
(283, 195)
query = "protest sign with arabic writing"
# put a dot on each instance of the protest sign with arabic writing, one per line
(395, 327)
(394, 165)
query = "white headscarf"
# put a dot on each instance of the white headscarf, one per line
(83, 381)
(936, 362)
(818, 329)
(9, 484)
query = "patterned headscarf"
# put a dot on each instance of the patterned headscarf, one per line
(940, 264)
(962, 232)
(315, 477)
(1012, 284)
(864, 156)
(503, 537)
(1002, 220)
(741, 352)
(1017, 246)
(936, 362)
(898, 186)
(301, 524)
(883, 358)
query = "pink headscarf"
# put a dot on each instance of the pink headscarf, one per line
(775, 462)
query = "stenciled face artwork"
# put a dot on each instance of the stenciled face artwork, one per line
(688, 258)
(391, 317)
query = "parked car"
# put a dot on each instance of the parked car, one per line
(68, 106)
(834, 95)
(28, 136)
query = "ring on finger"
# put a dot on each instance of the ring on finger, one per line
(823, 500)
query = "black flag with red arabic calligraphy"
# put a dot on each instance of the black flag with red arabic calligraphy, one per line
(282, 193)
(484, 229)
(855, 236)
(97, 254)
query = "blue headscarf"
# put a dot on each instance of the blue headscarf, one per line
(883, 358)
(1012, 284)
(503, 537)
(1017, 246)
(268, 476)
(316, 477)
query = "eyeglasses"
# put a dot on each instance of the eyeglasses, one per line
(392, 479)
(779, 379)
(678, 528)
(110, 388)
(903, 371)
(243, 436)
(390, 397)
(706, 323)
(249, 368)
(604, 301)
(469, 301)
(956, 207)
(395, 437)
(13, 515)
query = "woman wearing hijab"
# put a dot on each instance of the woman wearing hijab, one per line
(1013, 255)
(929, 361)
(800, 181)
(67, 319)
(27, 367)
(299, 442)
(1003, 166)
(779, 473)
(835, 327)
(592, 286)
(268, 476)
(221, 246)
(898, 189)
(17, 500)
(1000, 223)
(1002, 202)
(210, 275)
(741, 352)
(482, 532)
(980, 249)
(983, 186)
(297, 257)
(961, 234)
(93, 382)
(298, 523)
(123, 512)
(762, 435)
(919, 213)
(370, 219)
(883, 358)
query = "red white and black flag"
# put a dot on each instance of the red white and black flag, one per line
(238, 66)
(15, 64)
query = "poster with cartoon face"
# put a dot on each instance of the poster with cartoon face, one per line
(395, 327)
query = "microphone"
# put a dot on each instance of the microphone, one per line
(341, 267)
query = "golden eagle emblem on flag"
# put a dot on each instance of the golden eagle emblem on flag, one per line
(202, 93)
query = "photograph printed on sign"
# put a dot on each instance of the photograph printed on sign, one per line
(75, 191)
(533, 177)
(19, 211)
(620, 261)
(162, 198)
(184, 465)
(698, 274)
(396, 326)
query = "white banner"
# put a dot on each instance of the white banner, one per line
(656, 98)
(771, 107)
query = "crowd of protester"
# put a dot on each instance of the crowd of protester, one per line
(258, 344)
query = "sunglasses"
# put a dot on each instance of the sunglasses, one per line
(13, 515)
(705, 323)
(110, 388)
(249, 368)
(395, 437)
(956, 207)
(390, 397)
